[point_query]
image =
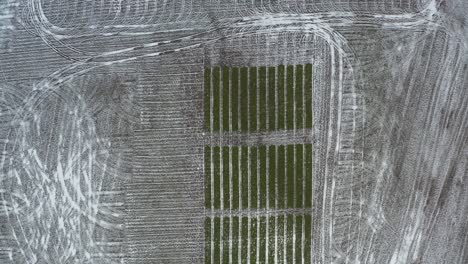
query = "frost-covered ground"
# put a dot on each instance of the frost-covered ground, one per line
(102, 126)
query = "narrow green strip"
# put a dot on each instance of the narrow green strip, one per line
(207, 99)
(298, 238)
(253, 99)
(244, 239)
(216, 177)
(207, 240)
(263, 178)
(308, 175)
(289, 239)
(226, 251)
(262, 100)
(281, 176)
(226, 190)
(271, 98)
(290, 175)
(271, 239)
(253, 177)
(235, 239)
(299, 175)
(244, 99)
(253, 240)
(226, 99)
(235, 177)
(281, 239)
(290, 97)
(234, 99)
(308, 238)
(308, 95)
(281, 98)
(299, 97)
(216, 239)
(207, 177)
(272, 175)
(245, 176)
(216, 99)
(263, 241)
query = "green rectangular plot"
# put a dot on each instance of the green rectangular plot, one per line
(235, 239)
(207, 240)
(226, 222)
(290, 175)
(289, 238)
(244, 240)
(253, 99)
(263, 239)
(235, 99)
(308, 96)
(263, 176)
(281, 176)
(226, 96)
(287, 181)
(299, 99)
(253, 239)
(271, 98)
(207, 177)
(245, 176)
(281, 98)
(290, 97)
(262, 112)
(216, 98)
(253, 178)
(235, 177)
(216, 177)
(217, 240)
(298, 238)
(244, 95)
(308, 176)
(226, 180)
(308, 238)
(207, 99)
(299, 176)
(271, 176)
